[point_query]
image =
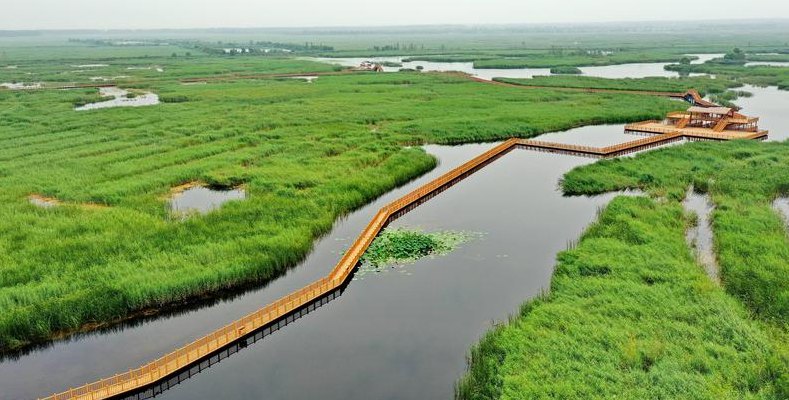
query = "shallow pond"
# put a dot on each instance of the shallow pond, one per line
(307, 78)
(120, 99)
(199, 199)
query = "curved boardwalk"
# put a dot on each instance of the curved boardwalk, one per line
(233, 333)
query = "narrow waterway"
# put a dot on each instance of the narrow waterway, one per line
(770, 105)
(700, 237)
(633, 70)
(781, 205)
(401, 335)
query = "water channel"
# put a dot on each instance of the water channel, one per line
(394, 335)
(634, 70)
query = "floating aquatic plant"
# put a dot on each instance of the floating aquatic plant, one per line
(400, 246)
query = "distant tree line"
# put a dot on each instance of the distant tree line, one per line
(398, 47)
(253, 47)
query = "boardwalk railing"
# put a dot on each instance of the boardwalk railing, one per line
(199, 349)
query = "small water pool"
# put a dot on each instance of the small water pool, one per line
(202, 200)
(120, 99)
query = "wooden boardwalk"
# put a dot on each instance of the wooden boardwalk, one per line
(653, 127)
(180, 359)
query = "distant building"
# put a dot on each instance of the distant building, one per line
(370, 66)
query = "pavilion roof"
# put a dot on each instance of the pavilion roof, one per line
(710, 110)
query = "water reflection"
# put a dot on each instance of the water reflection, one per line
(218, 356)
(633, 70)
(781, 205)
(199, 199)
(595, 136)
(700, 236)
(767, 64)
(770, 105)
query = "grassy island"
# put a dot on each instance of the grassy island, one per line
(631, 315)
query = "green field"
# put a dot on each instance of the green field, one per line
(630, 314)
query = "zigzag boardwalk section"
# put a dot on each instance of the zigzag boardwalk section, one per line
(228, 335)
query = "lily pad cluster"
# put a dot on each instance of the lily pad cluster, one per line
(400, 246)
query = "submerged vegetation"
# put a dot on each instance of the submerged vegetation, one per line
(630, 315)
(402, 246)
(567, 70)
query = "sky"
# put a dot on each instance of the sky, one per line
(152, 14)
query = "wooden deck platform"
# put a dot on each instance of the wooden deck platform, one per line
(659, 128)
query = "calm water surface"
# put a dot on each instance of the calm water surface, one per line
(700, 236)
(609, 71)
(768, 63)
(770, 105)
(782, 205)
(201, 200)
(393, 335)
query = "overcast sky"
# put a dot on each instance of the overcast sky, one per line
(105, 14)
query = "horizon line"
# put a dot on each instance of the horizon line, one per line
(402, 26)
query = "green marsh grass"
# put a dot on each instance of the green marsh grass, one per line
(629, 315)
(742, 179)
(307, 154)
(704, 85)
